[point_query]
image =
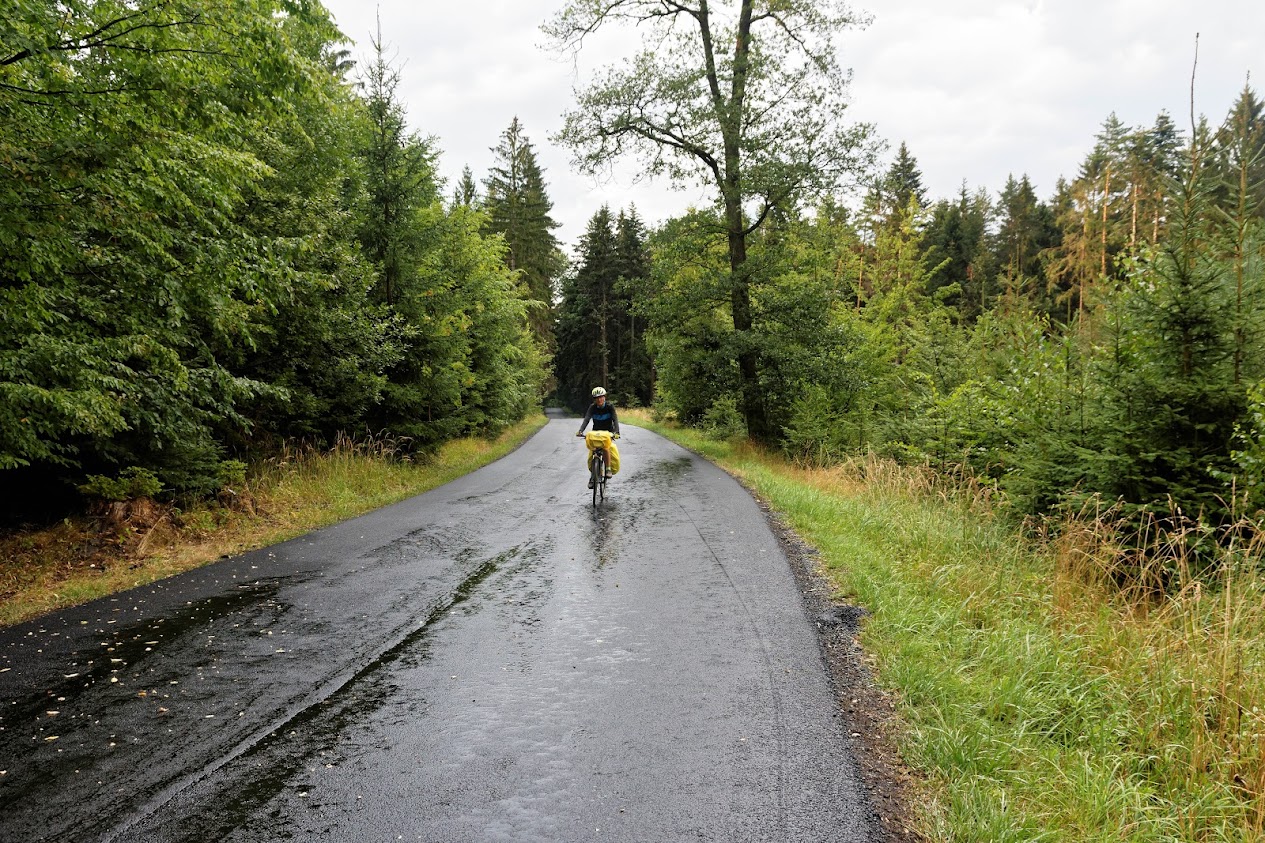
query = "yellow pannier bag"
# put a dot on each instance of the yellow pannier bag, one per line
(603, 439)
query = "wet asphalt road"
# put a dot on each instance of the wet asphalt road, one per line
(493, 660)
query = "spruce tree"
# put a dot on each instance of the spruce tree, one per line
(634, 374)
(466, 193)
(519, 207)
(586, 314)
(1025, 228)
(903, 185)
(399, 178)
(956, 252)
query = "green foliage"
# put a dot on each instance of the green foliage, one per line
(209, 241)
(812, 436)
(601, 327)
(723, 420)
(123, 270)
(1096, 348)
(745, 103)
(132, 483)
(1248, 476)
(518, 209)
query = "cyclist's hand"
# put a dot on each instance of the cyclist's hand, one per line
(616, 436)
(581, 433)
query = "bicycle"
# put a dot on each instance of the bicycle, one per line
(598, 465)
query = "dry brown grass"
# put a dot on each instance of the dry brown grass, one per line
(1179, 610)
(299, 490)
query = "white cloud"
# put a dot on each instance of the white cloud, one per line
(979, 89)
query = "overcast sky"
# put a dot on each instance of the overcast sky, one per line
(978, 89)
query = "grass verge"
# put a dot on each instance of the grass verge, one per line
(1041, 701)
(299, 491)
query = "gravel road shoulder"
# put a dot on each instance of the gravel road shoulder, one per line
(872, 722)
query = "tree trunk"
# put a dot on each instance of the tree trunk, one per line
(1133, 228)
(753, 411)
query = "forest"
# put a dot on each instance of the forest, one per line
(1098, 351)
(1103, 344)
(219, 234)
(1023, 431)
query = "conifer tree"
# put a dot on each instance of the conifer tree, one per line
(901, 185)
(634, 377)
(957, 257)
(1239, 158)
(466, 193)
(519, 207)
(1151, 162)
(399, 168)
(1240, 154)
(1025, 229)
(585, 318)
(1170, 401)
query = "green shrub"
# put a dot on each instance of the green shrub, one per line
(232, 473)
(132, 483)
(722, 419)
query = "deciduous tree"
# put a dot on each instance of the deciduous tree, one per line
(746, 97)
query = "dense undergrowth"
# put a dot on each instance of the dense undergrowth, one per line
(298, 490)
(1041, 699)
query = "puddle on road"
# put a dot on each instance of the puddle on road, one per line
(609, 522)
(279, 765)
(107, 715)
(661, 476)
(121, 650)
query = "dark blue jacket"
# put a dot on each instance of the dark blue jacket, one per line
(603, 418)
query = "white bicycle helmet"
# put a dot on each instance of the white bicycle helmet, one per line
(598, 391)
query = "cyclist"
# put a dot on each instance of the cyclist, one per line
(602, 413)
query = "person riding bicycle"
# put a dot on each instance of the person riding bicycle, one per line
(602, 413)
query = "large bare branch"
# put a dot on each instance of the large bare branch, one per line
(572, 26)
(661, 135)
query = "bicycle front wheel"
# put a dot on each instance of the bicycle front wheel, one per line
(597, 473)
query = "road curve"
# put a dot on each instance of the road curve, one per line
(493, 660)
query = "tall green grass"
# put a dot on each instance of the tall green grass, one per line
(1041, 700)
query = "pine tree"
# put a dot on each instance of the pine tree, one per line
(1239, 160)
(586, 322)
(399, 179)
(903, 184)
(466, 193)
(634, 373)
(1025, 229)
(959, 264)
(1240, 154)
(519, 208)
(1170, 398)
(1151, 162)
